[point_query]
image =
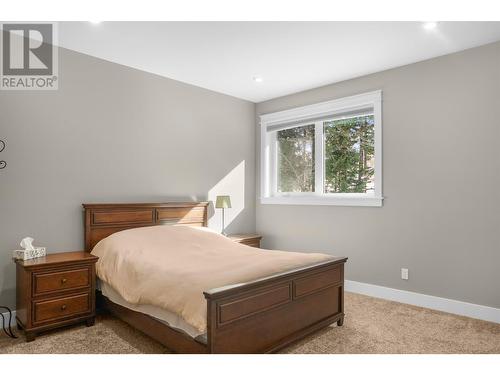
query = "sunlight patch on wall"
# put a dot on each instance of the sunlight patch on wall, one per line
(233, 184)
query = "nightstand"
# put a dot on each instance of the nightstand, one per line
(54, 291)
(246, 239)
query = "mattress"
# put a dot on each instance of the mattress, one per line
(164, 316)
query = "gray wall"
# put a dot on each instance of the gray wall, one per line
(441, 176)
(115, 134)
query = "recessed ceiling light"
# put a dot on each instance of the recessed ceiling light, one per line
(95, 22)
(430, 25)
(258, 79)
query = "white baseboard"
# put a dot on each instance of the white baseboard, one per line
(6, 318)
(471, 310)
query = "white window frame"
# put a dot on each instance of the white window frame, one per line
(309, 115)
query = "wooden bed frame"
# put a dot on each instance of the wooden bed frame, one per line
(261, 316)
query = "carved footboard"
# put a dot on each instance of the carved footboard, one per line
(265, 315)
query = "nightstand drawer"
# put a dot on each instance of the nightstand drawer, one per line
(57, 281)
(61, 307)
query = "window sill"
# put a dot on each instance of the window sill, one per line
(324, 200)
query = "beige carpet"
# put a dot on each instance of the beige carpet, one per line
(371, 326)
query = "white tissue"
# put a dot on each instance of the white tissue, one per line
(29, 251)
(27, 243)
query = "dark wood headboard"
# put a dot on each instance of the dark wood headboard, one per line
(104, 219)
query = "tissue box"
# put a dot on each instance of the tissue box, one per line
(29, 254)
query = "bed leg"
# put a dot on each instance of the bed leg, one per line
(90, 322)
(340, 322)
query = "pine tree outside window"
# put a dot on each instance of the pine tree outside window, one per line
(326, 153)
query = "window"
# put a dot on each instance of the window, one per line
(296, 159)
(326, 153)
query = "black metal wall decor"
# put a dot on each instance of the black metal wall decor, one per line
(3, 163)
(7, 325)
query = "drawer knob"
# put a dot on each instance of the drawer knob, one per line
(63, 281)
(63, 307)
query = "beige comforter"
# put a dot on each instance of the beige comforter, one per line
(171, 266)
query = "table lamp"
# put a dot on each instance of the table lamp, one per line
(223, 201)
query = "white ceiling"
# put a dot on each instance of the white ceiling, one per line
(289, 56)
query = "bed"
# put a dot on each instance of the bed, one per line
(260, 315)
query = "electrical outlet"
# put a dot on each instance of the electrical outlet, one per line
(404, 273)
